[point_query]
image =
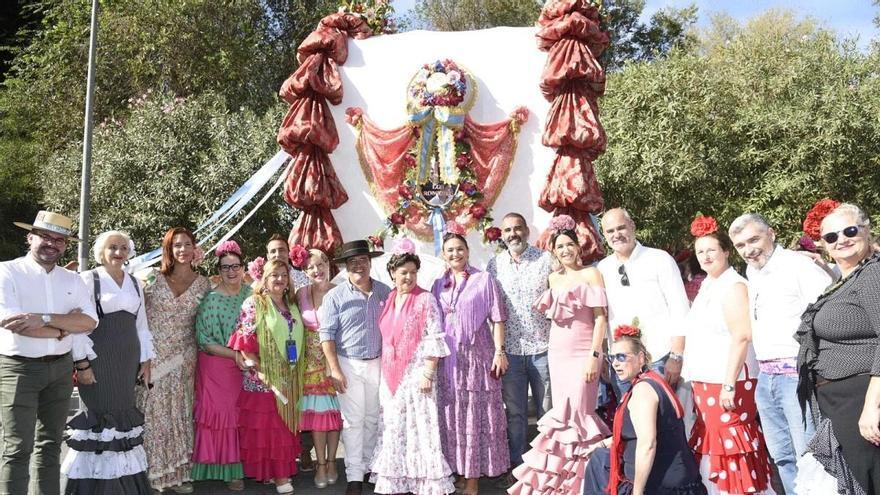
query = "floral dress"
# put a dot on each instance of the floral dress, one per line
(319, 405)
(168, 406)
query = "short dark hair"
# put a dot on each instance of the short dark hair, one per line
(398, 260)
(277, 237)
(566, 232)
(514, 214)
(229, 253)
(452, 235)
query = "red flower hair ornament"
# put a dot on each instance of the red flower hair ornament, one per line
(627, 331)
(820, 210)
(703, 225)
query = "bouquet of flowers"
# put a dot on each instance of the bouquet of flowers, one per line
(441, 84)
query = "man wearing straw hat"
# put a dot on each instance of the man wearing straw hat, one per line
(41, 304)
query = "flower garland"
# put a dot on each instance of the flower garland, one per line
(467, 197)
(377, 14)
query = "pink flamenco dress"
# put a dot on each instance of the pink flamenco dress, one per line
(269, 448)
(557, 460)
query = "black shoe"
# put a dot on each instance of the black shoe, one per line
(367, 479)
(354, 488)
(504, 481)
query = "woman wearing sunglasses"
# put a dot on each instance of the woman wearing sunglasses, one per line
(839, 363)
(721, 364)
(216, 453)
(575, 303)
(649, 451)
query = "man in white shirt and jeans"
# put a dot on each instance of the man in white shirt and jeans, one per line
(41, 304)
(644, 283)
(782, 284)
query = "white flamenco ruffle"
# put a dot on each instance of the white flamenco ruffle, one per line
(712, 488)
(104, 466)
(812, 478)
(104, 435)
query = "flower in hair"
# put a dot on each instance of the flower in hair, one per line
(376, 241)
(703, 225)
(627, 331)
(820, 210)
(403, 246)
(453, 227)
(255, 268)
(562, 222)
(227, 247)
(299, 256)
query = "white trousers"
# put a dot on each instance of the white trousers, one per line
(360, 412)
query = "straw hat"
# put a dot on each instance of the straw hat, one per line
(51, 222)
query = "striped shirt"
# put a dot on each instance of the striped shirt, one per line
(351, 319)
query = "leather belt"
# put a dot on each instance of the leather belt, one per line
(42, 359)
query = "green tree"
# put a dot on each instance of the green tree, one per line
(766, 116)
(168, 163)
(465, 15)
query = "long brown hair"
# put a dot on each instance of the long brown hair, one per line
(167, 243)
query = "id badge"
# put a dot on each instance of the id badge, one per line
(291, 351)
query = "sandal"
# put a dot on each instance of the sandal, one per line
(235, 485)
(332, 478)
(321, 479)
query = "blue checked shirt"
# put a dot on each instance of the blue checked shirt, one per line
(351, 319)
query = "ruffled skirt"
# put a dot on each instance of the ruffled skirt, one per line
(320, 413)
(268, 448)
(729, 444)
(216, 449)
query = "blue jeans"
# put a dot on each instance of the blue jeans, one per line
(523, 372)
(621, 387)
(783, 425)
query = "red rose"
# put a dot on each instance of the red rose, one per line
(477, 211)
(820, 210)
(409, 161)
(298, 256)
(493, 234)
(376, 241)
(404, 191)
(627, 331)
(703, 225)
(397, 219)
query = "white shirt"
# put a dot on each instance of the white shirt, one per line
(655, 296)
(778, 295)
(526, 331)
(26, 287)
(708, 338)
(115, 298)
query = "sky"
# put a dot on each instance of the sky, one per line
(848, 17)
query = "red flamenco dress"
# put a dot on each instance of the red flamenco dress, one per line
(558, 459)
(269, 444)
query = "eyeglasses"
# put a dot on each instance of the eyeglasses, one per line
(624, 278)
(831, 237)
(226, 268)
(51, 240)
(620, 357)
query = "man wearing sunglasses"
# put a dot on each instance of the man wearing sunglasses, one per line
(781, 285)
(644, 283)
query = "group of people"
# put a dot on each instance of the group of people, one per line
(430, 390)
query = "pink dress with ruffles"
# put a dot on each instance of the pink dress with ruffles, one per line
(557, 460)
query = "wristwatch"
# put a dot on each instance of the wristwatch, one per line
(727, 388)
(675, 356)
(597, 354)
(47, 319)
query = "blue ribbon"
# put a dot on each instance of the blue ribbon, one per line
(438, 223)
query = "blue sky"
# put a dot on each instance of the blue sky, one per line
(848, 17)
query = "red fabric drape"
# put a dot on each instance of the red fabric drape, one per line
(308, 132)
(382, 154)
(572, 80)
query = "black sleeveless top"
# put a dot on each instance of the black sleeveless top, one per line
(675, 470)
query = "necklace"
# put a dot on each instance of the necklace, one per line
(455, 293)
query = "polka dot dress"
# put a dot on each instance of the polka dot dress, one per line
(731, 441)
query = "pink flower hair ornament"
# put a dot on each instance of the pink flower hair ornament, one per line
(562, 222)
(403, 246)
(453, 227)
(299, 256)
(255, 268)
(227, 247)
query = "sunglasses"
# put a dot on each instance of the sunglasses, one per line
(620, 357)
(226, 268)
(831, 237)
(624, 278)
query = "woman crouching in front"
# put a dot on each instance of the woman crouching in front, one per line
(649, 451)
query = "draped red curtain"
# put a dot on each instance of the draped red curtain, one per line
(308, 132)
(573, 80)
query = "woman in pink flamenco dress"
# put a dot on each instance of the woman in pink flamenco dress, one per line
(576, 304)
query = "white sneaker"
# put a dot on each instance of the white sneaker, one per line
(286, 488)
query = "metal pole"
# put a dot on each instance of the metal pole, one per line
(85, 188)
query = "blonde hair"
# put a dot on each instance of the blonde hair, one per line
(861, 218)
(101, 243)
(269, 267)
(636, 345)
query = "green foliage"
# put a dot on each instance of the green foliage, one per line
(634, 40)
(464, 15)
(769, 117)
(170, 163)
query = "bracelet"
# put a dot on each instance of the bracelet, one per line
(500, 352)
(77, 368)
(429, 373)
